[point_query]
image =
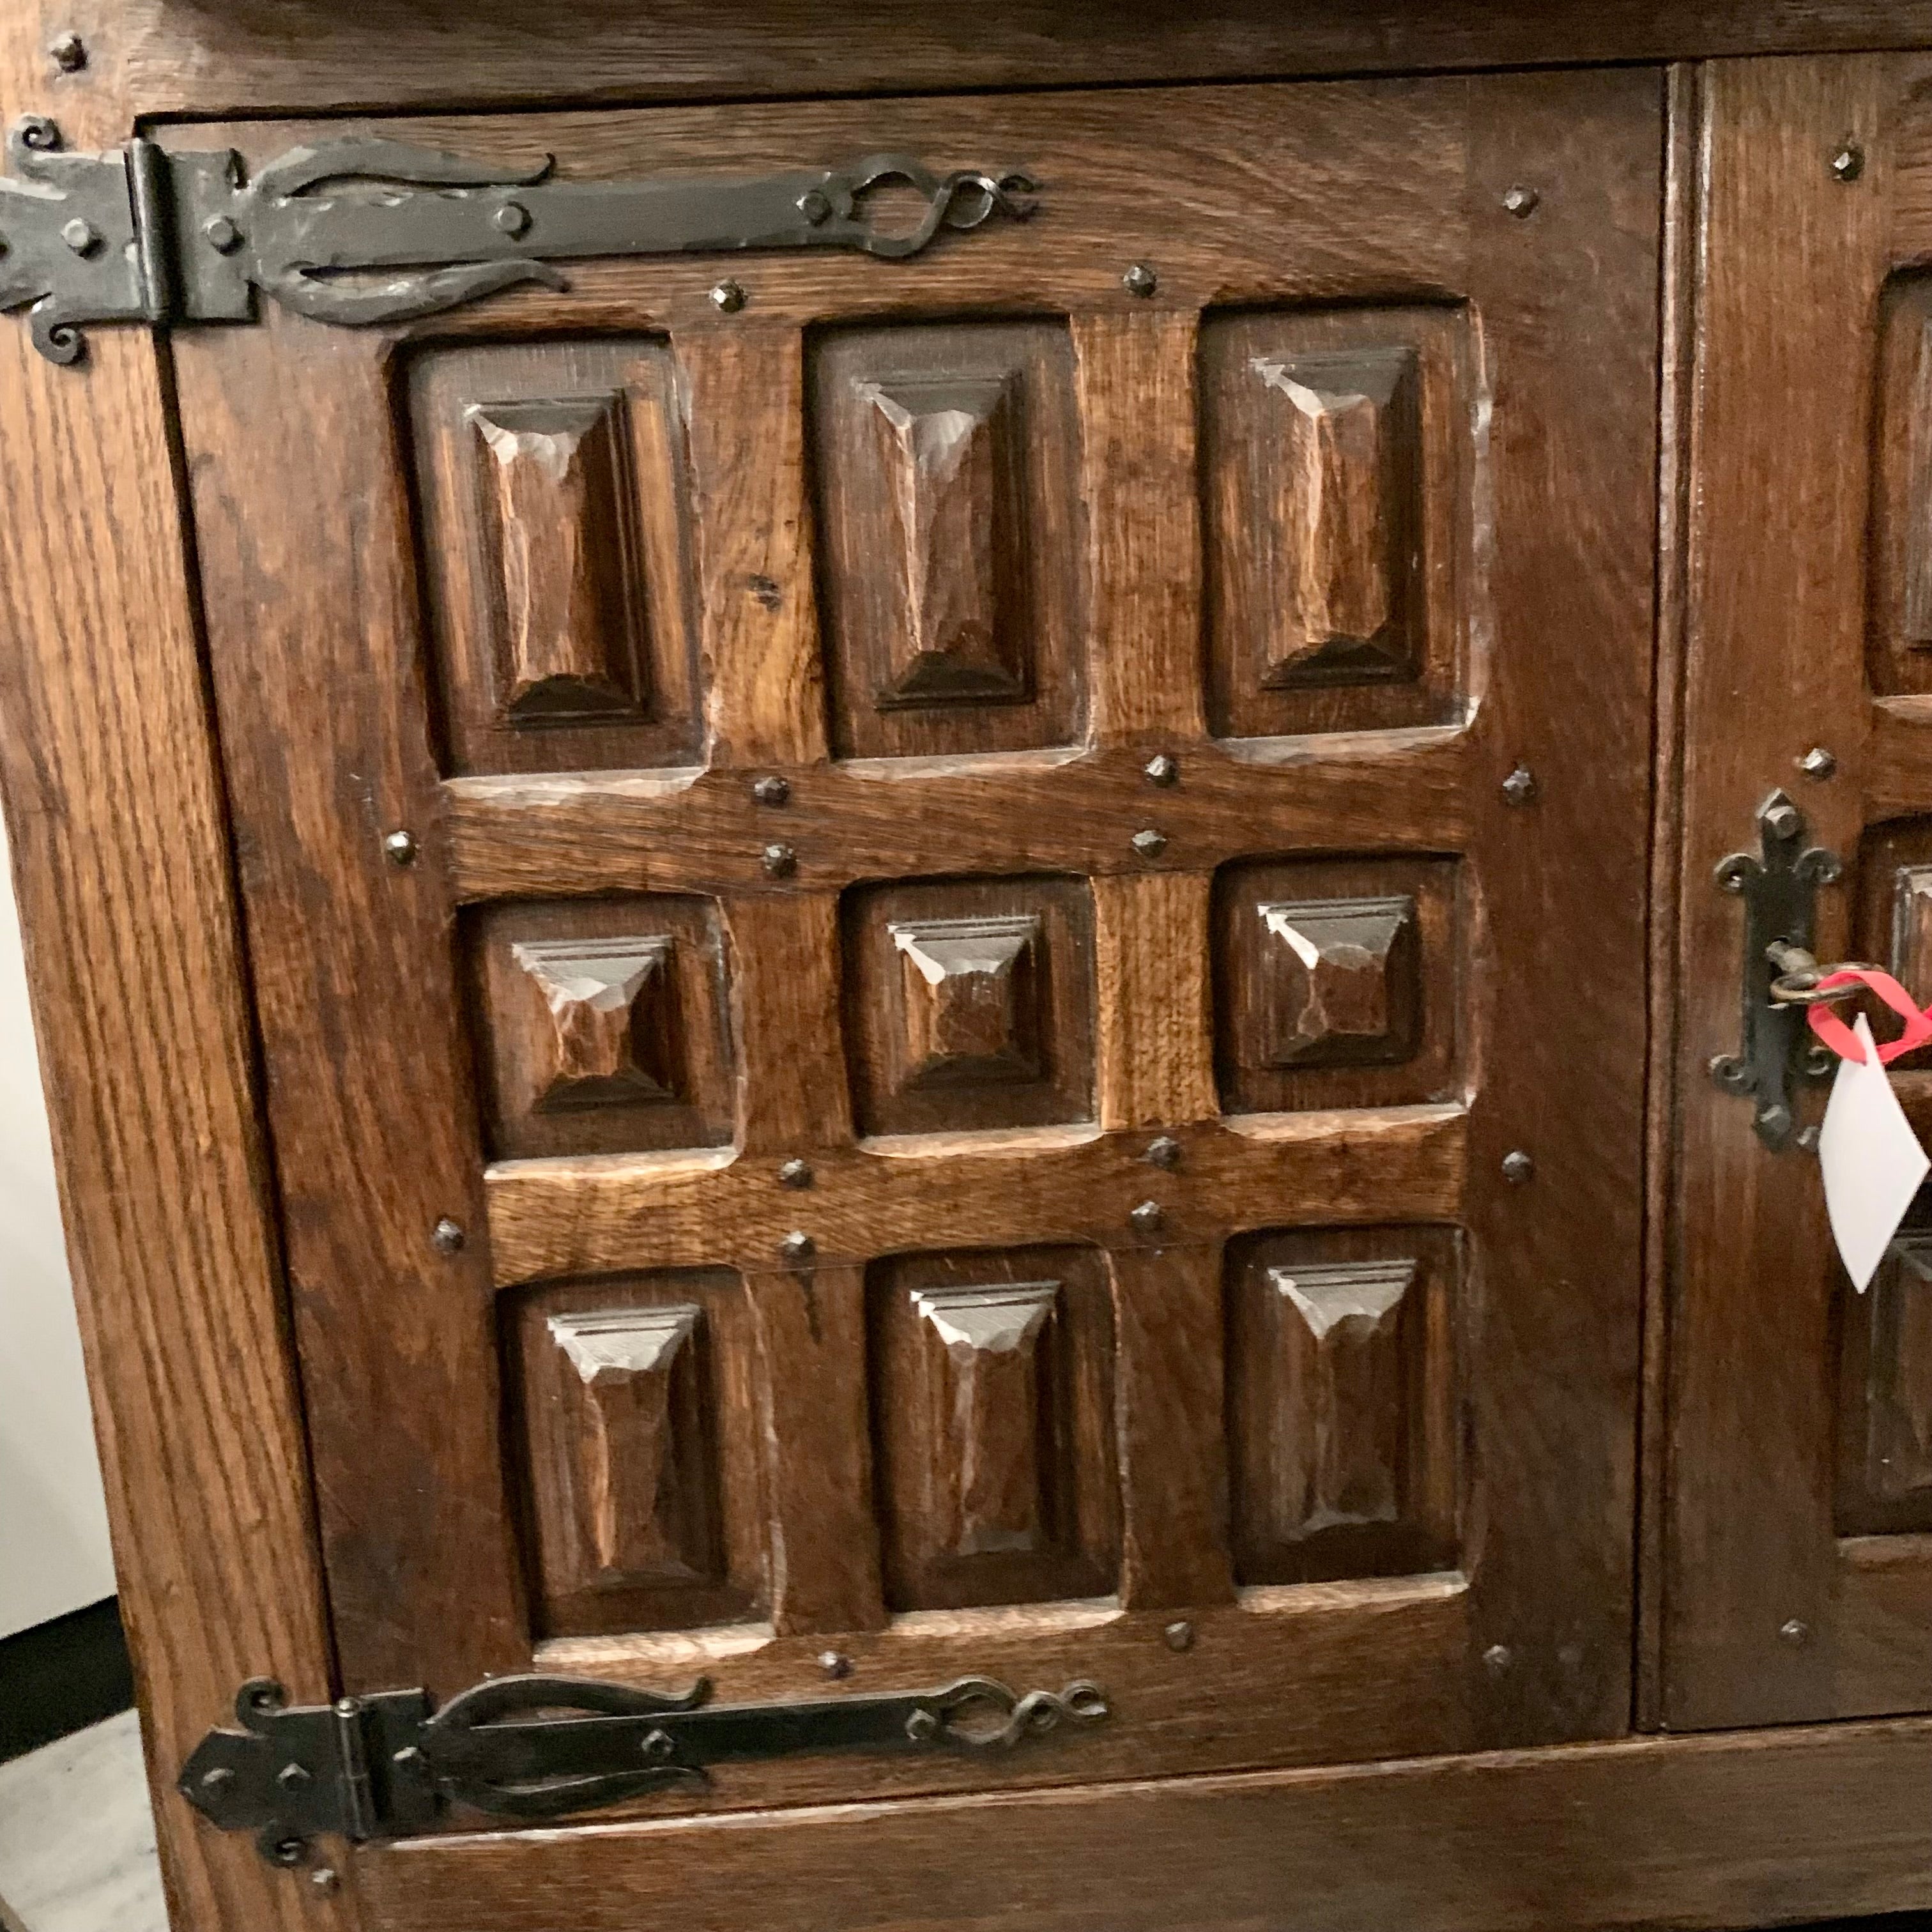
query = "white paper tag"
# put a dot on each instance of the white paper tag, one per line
(1872, 1160)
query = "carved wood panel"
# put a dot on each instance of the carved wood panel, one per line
(960, 837)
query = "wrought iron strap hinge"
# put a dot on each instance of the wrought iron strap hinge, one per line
(388, 1766)
(363, 231)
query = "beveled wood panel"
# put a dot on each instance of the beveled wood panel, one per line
(1042, 811)
(599, 1213)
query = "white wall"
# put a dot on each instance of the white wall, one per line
(53, 1523)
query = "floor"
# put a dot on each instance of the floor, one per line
(77, 1837)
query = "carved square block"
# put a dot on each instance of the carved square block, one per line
(992, 1404)
(1341, 1403)
(970, 1003)
(944, 458)
(604, 1025)
(639, 1451)
(1335, 983)
(1335, 469)
(554, 502)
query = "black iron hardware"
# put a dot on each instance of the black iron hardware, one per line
(1781, 975)
(363, 231)
(388, 1766)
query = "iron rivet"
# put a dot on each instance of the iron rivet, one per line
(1161, 770)
(1150, 844)
(399, 848)
(780, 862)
(446, 1236)
(1498, 1659)
(814, 205)
(1519, 787)
(1517, 1167)
(1848, 163)
(921, 1725)
(1147, 1216)
(1163, 1152)
(1818, 763)
(69, 51)
(1807, 1139)
(221, 234)
(1795, 1631)
(1521, 202)
(82, 237)
(658, 1745)
(288, 1851)
(834, 1664)
(323, 1878)
(798, 1247)
(771, 791)
(728, 297)
(348, 1707)
(1784, 820)
(513, 218)
(796, 1174)
(293, 1776)
(1179, 1636)
(1140, 279)
(219, 1779)
(408, 1758)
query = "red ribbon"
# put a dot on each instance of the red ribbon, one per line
(1841, 1038)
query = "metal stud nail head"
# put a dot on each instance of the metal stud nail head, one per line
(815, 205)
(294, 1777)
(728, 297)
(68, 51)
(1784, 820)
(513, 218)
(325, 1879)
(796, 1174)
(1795, 1631)
(1140, 279)
(447, 1237)
(1518, 1167)
(1519, 787)
(408, 1758)
(1818, 763)
(921, 1725)
(1179, 1636)
(221, 234)
(219, 1779)
(780, 862)
(798, 1247)
(1521, 202)
(836, 1664)
(1848, 161)
(1162, 770)
(399, 848)
(1146, 1216)
(658, 1745)
(771, 790)
(1497, 1659)
(1164, 1151)
(82, 237)
(1150, 844)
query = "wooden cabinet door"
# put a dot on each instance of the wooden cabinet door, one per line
(951, 953)
(1797, 1570)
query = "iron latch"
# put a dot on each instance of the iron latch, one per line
(390, 1766)
(362, 231)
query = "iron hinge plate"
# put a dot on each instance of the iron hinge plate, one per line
(391, 1765)
(362, 231)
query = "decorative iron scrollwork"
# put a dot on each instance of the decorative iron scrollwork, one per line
(388, 1765)
(363, 231)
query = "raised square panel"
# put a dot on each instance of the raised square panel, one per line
(945, 461)
(1334, 464)
(1341, 1403)
(992, 1394)
(1335, 983)
(604, 1025)
(554, 496)
(640, 1462)
(970, 1003)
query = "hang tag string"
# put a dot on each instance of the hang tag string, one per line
(1839, 1038)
